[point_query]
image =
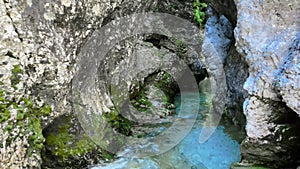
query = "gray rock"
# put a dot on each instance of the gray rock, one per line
(266, 35)
(226, 8)
(216, 43)
(265, 50)
(44, 37)
(217, 40)
(288, 79)
(236, 71)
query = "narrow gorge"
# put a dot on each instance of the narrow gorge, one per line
(158, 84)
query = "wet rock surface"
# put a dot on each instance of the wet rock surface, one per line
(266, 38)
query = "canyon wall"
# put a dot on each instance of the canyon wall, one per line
(267, 68)
(41, 39)
(267, 36)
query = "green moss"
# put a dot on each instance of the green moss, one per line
(28, 115)
(65, 145)
(36, 139)
(107, 155)
(4, 105)
(118, 122)
(164, 81)
(139, 99)
(172, 6)
(9, 127)
(28, 118)
(4, 115)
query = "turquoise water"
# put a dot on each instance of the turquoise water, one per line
(218, 152)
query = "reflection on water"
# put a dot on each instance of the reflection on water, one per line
(218, 152)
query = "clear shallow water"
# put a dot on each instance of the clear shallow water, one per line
(218, 152)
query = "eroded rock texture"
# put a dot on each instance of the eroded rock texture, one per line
(220, 31)
(43, 38)
(267, 35)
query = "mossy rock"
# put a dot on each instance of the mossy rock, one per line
(118, 122)
(67, 145)
(28, 121)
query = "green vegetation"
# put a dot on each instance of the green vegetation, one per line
(4, 105)
(181, 48)
(29, 115)
(163, 81)
(276, 83)
(28, 120)
(118, 122)
(172, 6)
(16, 76)
(141, 102)
(67, 144)
(199, 11)
(64, 144)
(139, 99)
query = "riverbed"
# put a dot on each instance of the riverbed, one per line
(217, 152)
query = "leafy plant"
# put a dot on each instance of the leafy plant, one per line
(199, 11)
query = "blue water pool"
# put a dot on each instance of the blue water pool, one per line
(217, 152)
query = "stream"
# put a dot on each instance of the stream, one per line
(218, 152)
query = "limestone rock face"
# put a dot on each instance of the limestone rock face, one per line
(224, 64)
(288, 81)
(219, 48)
(267, 35)
(43, 38)
(216, 43)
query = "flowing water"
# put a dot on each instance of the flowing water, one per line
(218, 152)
